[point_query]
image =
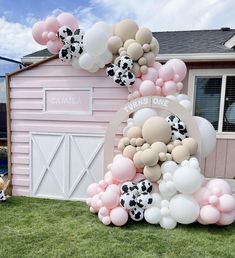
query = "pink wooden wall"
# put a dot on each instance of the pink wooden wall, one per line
(27, 110)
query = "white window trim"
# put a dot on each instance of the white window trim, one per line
(191, 93)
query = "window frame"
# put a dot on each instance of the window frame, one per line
(192, 90)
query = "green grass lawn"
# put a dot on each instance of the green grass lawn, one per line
(47, 228)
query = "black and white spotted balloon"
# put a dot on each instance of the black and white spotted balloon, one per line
(178, 128)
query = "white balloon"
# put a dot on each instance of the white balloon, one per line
(94, 69)
(106, 57)
(95, 42)
(187, 179)
(86, 61)
(142, 115)
(208, 135)
(168, 167)
(75, 63)
(156, 199)
(167, 189)
(184, 208)
(182, 97)
(168, 222)
(104, 28)
(186, 104)
(152, 215)
(172, 97)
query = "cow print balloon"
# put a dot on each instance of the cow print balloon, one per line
(144, 186)
(128, 187)
(64, 32)
(125, 63)
(137, 214)
(128, 78)
(111, 69)
(178, 128)
(144, 200)
(65, 54)
(128, 200)
(76, 49)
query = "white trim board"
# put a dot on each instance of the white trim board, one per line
(191, 93)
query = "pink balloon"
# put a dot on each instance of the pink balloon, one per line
(103, 185)
(169, 88)
(136, 85)
(201, 221)
(202, 196)
(213, 200)
(93, 189)
(176, 78)
(108, 178)
(220, 184)
(150, 75)
(226, 203)
(166, 72)
(130, 97)
(119, 216)
(54, 46)
(52, 24)
(45, 35)
(155, 188)
(113, 188)
(226, 218)
(67, 19)
(138, 177)
(179, 67)
(147, 88)
(37, 31)
(159, 82)
(51, 36)
(157, 66)
(136, 94)
(103, 212)
(158, 91)
(106, 220)
(179, 86)
(209, 214)
(96, 203)
(110, 199)
(123, 169)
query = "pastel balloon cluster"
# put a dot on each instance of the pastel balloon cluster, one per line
(160, 80)
(217, 204)
(45, 32)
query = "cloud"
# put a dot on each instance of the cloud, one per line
(16, 40)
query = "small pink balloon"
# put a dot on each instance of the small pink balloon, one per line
(216, 191)
(52, 36)
(166, 72)
(159, 82)
(52, 24)
(67, 19)
(130, 97)
(220, 184)
(106, 220)
(202, 196)
(103, 212)
(136, 85)
(108, 178)
(150, 75)
(155, 188)
(201, 221)
(45, 35)
(179, 86)
(179, 67)
(93, 189)
(176, 78)
(209, 214)
(92, 210)
(110, 199)
(169, 88)
(136, 94)
(123, 169)
(138, 177)
(37, 31)
(113, 188)
(226, 203)
(226, 218)
(157, 66)
(158, 91)
(147, 88)
(213, 200)
(119, 216)
(103, 184)
(95, 203)
(54, 46)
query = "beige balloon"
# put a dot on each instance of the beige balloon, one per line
(180, 153)
(153, 174)
(142, 61)
(139, 141)
(136, 69)
(159, 147)
(126, 29)
(154, 46)
(162, 156)
(146, 48)
(133, 142)
(170, 147)
(149, 157)
(135, 51)
(156, 129)
(121, 146)
(191, 144)
(145, 146)
(150, 57)
(127, 43)
(143, 36)
(137, 160)
(114, 43)
(126, 140)
(144, 69)
(129, 152)
(134, 132)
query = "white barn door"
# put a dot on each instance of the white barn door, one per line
(63, 165)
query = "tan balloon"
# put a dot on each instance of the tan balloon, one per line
(142, 61)
(145, 146)
(150, 57)
(144, 69)
(137, 160)
(139, 141)
(177, 142)
(146, 48)
(133, 142)
(114, 58)
(126, 140)
(168, 156)
(159, 147)
(136, 69)
(114, 43)
(134, 132)
(153, 174)
(154, 46)
(135, 51)
(129, 151)
(162, 156)
(170, 147)
(180, 153)
(117, 59)
(149, 157)
(128, 42)
(156, 129)
(143, 36)
(123, 53)
(121, 49)
(191, 144)
(126, 29)
(121, 146)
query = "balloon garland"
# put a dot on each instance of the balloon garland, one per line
(156, 175)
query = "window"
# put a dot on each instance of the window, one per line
(213, 96)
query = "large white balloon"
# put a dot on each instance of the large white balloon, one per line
(169, 167)
(104, 28)
(187, 179)
(142, 115)
(152, 215)
(168, 222)
(184, 208)
(86, 61)
(208, 135)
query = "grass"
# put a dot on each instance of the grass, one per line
(48, 228)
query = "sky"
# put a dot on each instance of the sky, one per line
(18, 16)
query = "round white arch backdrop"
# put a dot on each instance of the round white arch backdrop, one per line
(150, 102)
